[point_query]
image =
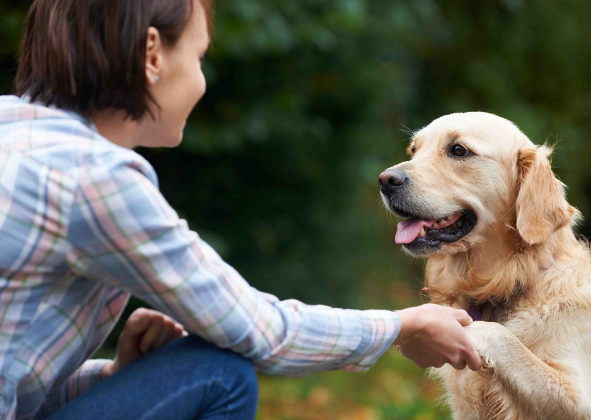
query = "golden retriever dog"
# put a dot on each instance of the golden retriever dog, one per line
(481, 202)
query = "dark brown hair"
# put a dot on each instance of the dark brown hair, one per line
(86, 55)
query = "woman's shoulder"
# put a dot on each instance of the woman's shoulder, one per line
(61, 140)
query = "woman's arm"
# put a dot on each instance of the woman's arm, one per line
(123, 232)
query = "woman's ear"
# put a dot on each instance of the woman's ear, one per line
(154, 57)
(541, 205)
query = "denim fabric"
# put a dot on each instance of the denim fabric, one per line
(185, 379)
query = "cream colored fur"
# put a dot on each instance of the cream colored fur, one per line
(522, 263)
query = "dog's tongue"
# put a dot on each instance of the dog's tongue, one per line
(408, 230)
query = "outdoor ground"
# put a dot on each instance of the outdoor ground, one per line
(394, 389)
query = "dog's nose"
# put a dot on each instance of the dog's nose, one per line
(391, 179)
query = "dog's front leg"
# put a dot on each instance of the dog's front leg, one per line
(546, 390)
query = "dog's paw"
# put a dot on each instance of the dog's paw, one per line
(486, 336)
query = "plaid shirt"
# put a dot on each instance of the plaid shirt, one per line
(82, 226)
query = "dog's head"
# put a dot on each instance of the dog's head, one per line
(474, 180)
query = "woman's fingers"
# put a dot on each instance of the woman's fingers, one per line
(171, 330)
(144, 331)
(134, 329)
(463, 318)
(161, 329)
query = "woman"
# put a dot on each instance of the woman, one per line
(83, 226)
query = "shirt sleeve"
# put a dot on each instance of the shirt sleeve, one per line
(87, 376)
(123, 232)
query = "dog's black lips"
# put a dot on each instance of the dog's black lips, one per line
(400, 211)
(433, 239)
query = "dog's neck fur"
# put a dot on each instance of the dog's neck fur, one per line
(499, 273)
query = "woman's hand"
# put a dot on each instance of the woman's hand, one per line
(433, 335)
(144, 331)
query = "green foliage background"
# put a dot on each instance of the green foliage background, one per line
(308, 101)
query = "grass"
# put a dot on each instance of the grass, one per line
(393, 389)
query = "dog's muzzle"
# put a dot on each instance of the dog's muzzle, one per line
(424, 230)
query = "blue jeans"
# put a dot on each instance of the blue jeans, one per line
(185, 379)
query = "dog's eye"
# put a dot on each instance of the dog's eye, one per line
(458, 150)
(413, 150)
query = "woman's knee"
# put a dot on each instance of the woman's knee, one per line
(238, 373)
(235, 374)
(220, 381)
(203, 355)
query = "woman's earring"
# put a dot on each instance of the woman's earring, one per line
(156, 78)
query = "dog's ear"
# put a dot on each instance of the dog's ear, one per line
(541, 205)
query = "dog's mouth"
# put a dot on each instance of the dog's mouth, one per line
(419, 234)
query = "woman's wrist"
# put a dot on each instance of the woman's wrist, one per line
(409, 325)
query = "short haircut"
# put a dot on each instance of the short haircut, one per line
(90, 55)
